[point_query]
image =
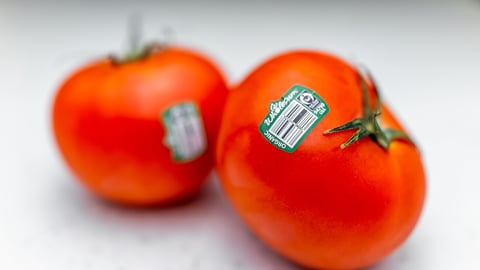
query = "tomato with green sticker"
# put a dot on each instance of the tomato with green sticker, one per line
(141, 130)
(317, 165)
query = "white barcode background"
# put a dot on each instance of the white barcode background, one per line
(292, 124)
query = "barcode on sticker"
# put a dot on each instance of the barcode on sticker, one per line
(293, 123)
(293, 117)
(185, 134)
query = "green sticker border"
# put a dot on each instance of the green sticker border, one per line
(277, 109)
(164, 120)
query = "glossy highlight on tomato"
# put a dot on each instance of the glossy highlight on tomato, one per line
(109, 120)
(353, 189)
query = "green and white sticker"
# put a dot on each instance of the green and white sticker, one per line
(293, 117)
(185, 132)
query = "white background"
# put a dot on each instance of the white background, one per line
(425, 56)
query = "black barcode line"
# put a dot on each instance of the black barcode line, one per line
(287, 130)
(299, 116)
(307, 121)
(293, 123)
(292, 109)
(279, 125)
(292, 136)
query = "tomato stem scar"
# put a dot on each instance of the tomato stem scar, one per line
(368, 124)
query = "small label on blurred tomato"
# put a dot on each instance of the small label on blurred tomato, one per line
(291, 118)
(185, 132)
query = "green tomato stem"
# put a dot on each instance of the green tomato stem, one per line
(139, 54)
(368, 125)
(136, 51)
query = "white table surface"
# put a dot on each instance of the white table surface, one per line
(425, 55)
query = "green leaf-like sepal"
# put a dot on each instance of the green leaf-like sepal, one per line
(369, 124)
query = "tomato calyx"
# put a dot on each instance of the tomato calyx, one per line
(137, 50)
(136, 54)
(369, 123)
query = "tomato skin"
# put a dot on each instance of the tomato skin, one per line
(107, 124)
(321, 206)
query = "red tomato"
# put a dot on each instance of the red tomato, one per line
(142, 131)
(322, 193)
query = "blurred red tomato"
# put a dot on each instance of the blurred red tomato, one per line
(141, 131)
